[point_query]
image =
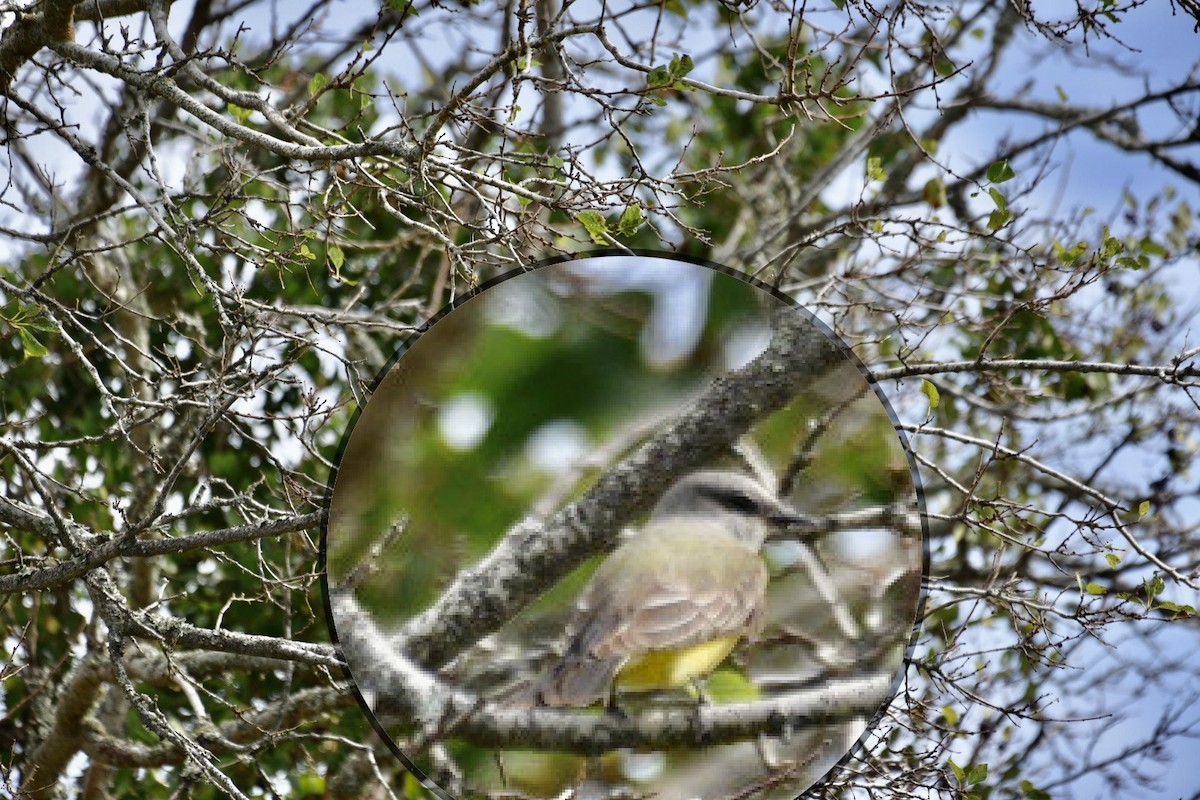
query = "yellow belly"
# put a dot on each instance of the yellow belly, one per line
(666, 669)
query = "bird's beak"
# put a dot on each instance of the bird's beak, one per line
(786, 516)
(788, 520)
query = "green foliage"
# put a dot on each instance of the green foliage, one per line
(595, 225)
(669, 75)
(931, 393)
(1000, 171)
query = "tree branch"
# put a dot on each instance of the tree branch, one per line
(535, 555)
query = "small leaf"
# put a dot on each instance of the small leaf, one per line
(931, 391)
(935, 192)
(978, 774)
(1000, 171)
(951, 715)
(1179, 610)
(875, 171)
(242, 115)
(1095, 588)
(1111, 246)
(659, 76)
(631, 220)
(1154, 248)
(959, 774)
(1113, 559)
(336, 256)
(307, 252)
(595, 224)
(1143, 508)
(31, 315)
(1031, 792)
(998, 198)
(997, 219)
(728, 686)
(29, 343)
(681, 65)
(318, 82)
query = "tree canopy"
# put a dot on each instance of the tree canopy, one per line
(220, 220)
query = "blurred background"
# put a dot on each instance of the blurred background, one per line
(513, 402)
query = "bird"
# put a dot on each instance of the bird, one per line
(666, 607)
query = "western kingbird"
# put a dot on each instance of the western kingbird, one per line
(670, 604)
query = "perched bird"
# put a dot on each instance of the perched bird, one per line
(668, 606)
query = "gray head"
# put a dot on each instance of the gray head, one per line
(747, 508)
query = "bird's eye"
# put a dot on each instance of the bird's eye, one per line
(739, 502)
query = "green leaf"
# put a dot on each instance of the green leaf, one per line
(978, 774)
(659, 76)
(1167, 605)
(681, 65)
(318, 82)
(997, 219)
(875, 171)
(935, 192)
(31, 316)
(242, 115)
(307, 252)
(1095, 588)
(1143, 508)
(728, 686)
(944, 67)
(1113, 559)
(1031, 792)
(29, 343)
(998, 198)
(1000, 171)
(595, 224)
(951, 715)
(1111, 246)
(1062, 94)
(931, 391)
(959, 774)
(336, 256)
(631, 220)
(1152, 247)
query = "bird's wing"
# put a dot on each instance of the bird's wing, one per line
(707, 586)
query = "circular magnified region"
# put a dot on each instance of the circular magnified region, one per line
(624, 527)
